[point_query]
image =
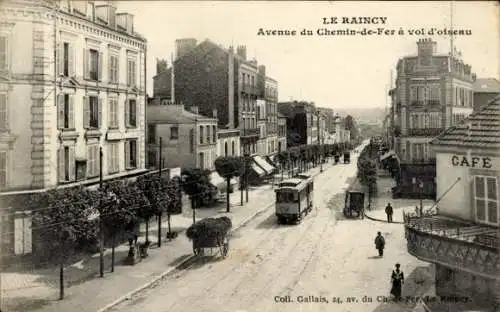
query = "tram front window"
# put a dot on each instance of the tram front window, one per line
(287, 197)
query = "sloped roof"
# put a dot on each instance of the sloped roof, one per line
(486, 85)
(171, 114)
(480, 129)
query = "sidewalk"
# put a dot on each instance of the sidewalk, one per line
(38, 290)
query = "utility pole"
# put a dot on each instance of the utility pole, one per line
(159, 216)
(247, 158)
(101, 223)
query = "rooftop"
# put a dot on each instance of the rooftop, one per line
(486, 85)
(480, 129)
(172, 114)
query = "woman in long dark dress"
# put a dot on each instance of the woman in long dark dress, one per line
(397, 279)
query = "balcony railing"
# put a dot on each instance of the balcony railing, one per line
(250, 132)
(250, 89)
(425, 131)
(456, 243)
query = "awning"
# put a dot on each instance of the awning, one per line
(219, 181)
(261, 162)
(260, 172)
(387, 155)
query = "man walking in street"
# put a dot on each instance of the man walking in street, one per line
(388, 212)
(380, 244)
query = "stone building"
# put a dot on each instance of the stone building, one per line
(72, 82)
(188, 139)
(215, 78)
(433, 92)
(301, 122)
(461, 237)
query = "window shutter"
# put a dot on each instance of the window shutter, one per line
(27, 234)
(18, 235)
(60, 167)
(110, 158)
(60, 111)
(99, 108)
(71, 61)
(99, 66)
(86, 112)
(60, 59)
(127, 112)
(71, 162)
(110, 66)
(127, 154)
(86, 64)
(71, 112)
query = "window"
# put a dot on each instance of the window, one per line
(225, 149)
(131, 113)
(201, 134)
(130, 154)
(113, 68)
(201, 161)
(94, 65)
(233, 149)
(113, 113)
(66, 62)
(191, 141)
(3, 53)
(66, 115)
(131, 72)
(22, 233)
(486, 199)
(91, 112)
(66, 164)
(174, 133)
(151, 134)
(3, 169)
(93, 161)
(4, 121)
(214, 134)
(113, 158)
(207, 129)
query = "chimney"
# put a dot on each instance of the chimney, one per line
(426, 47)
(194, 109)
(262, 70)
(161, 65)
(242, 52)
(184, 46)
(125, 22)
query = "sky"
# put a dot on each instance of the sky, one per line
(331, 71)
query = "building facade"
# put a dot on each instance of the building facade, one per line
(262, 125)
(485, 90)
(301, 122)
(270, 94)
(188, 139)
(433, 92)
(462, 238)
(282, 133)
(341, 135)
(228, 143)
(72, 87)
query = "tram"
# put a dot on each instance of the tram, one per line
(294, 199)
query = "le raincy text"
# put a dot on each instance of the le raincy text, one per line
(354, 20)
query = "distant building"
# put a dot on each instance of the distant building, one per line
(485, 90)
(462, 239)
(188, 139)
(212, 78)
(433, 92)
(342, 135)
(228, 143)
(302, 122)
(281, 133)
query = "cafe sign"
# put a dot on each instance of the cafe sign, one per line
(471, 161)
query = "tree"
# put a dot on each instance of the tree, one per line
(117, 209)
(62, 218)
(175, 200)
(196, 184)
(154, 188)
(351, 125)
(284, 160)
(228, 168)
(367, 171)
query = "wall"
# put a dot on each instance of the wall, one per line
(176, 153)
(229, 140)
(458, 202)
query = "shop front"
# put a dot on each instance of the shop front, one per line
(460, 235)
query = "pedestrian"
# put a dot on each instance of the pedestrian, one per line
(397, 280)
(388, 212)
(380, 244)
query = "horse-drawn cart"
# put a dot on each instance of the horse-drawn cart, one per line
(355, 201)
(212, 234)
